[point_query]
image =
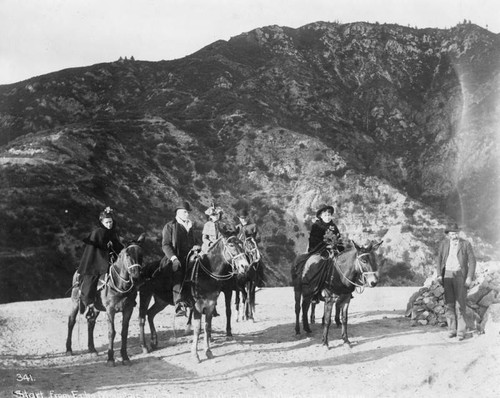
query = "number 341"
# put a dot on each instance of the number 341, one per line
(24, 377)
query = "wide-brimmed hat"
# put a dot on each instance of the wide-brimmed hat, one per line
(213, 211)
(325, 208)
(242, 213)
(183, 205)
(452, 228)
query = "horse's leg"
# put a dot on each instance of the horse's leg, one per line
(313, 313)
(196, 334)
(248, 305)
(345, 308)
(144, 300)
(306, 302)
(71, 324)
(127, 314)
(298, 296)
(189, 322)
(90, 332)
(237, 303)
(208, 332)
(327, 317)
(337, 313)
(157, 307)
(110, 312)
(251, 297)
(228, 294)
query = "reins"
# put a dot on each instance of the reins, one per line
(363, 272)
(113, 268)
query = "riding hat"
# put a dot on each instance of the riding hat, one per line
(325, 208)
(213, 210)
(108, 212)
(452, 228)
(183, 205)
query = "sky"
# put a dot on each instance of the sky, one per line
(43, 36)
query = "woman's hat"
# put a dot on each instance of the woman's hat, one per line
(452, 228)
(242, 213)
(183, 205)
(325, 208)
(108, 212)
(213, 210)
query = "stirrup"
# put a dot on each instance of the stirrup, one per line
(90, 313)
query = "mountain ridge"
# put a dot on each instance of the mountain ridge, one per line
(395, 126)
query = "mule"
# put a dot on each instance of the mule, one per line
(335, 278)
(117, 294)
(244, 286)
(224, 260)
(208, 272)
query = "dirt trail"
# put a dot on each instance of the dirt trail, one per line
(388, 358)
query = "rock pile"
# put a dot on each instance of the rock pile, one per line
(426, 306)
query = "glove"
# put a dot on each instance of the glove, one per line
(110, 245)
(468, 282)
(440, 280)
(176, 264)
(196, 248)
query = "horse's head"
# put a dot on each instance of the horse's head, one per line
(131, 260)
(235, 256)
(367, 264)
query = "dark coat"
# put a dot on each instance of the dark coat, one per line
(176, 241)
(247, 231)
(95, 258)
(318, 230)
(465, 256)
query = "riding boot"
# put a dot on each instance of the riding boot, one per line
(180, 305)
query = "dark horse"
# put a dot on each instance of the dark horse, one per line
(335, 278)
(117, 295)
(207, 274)
(244, 284)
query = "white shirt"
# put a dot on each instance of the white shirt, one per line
(452, 263)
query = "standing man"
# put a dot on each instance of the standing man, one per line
(177, 242)
(455, 269)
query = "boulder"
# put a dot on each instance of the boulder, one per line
(490, 324)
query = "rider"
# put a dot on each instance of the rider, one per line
(102, 246)
(324, 222)
(177, 242)
(247, 229)
(212, 228)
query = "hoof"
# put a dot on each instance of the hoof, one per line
(209, 354)
(69, 353)
(126, 362)
(347, 344)
(110, 364)
(93, 353)
(196, 359)
(307, 330)
(229, 334)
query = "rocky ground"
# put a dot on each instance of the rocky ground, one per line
(388, 357)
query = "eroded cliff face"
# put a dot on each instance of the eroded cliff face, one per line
(396, 127)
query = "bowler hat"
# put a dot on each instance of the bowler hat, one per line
(183, 205)
(452, 228)
(324, 208)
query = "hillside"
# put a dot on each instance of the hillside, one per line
(393, 126)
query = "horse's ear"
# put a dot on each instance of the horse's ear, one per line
(141, 238)
(356, 246)
(376, 245)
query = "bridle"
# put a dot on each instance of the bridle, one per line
(229, 258)
(114, 273)
(364, 273)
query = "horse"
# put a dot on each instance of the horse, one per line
(335, 277)
(117, 294)
(245, 284)
(208, 272)
(225, 259)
